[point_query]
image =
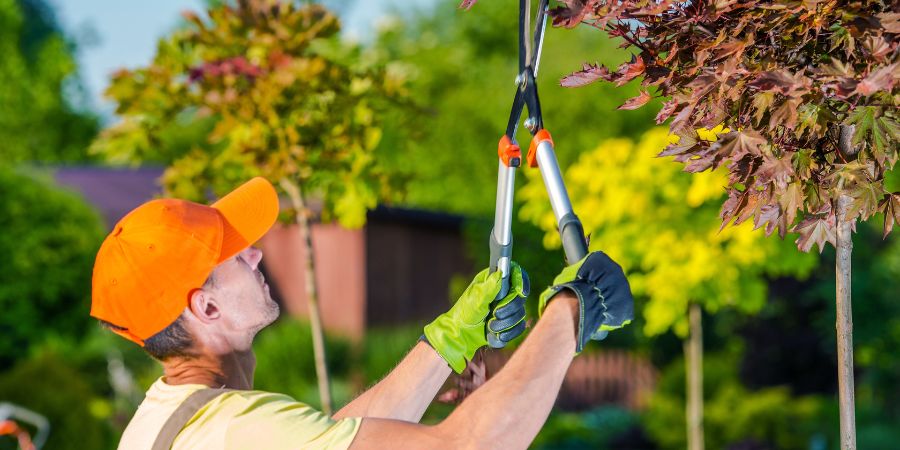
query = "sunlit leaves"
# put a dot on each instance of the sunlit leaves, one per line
(260, 88)
(785, 76)
(660, 224)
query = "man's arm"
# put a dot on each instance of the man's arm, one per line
(454, 336)
(509, 410)
(406, 392)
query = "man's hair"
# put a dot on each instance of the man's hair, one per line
(174, 340)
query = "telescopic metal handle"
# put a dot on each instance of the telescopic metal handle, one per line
(570, 230)
(501, 234)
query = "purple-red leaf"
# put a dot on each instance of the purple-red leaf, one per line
(587, 75)
(769, 216)
(785, 115)
(630, 70)
(890, 21)
(667, 110)
(736, 144)
(891, 209)
(881, 79)
(815, 229)
(636, 102)
(775, 170)
(571, 14)
(686, 142)
(783, 82)
(467, 4)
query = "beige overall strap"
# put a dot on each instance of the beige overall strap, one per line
(182, 415)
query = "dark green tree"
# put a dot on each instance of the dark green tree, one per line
(39, 122)
(49, 240)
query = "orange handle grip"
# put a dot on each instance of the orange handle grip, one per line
(541, 136)
(509, 153)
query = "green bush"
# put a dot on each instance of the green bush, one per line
(592, 429)
(48, 245)
(52, 387)
(732, 413)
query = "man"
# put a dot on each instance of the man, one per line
(181, 280)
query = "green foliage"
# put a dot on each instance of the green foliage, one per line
(732, 413)
(786, 77)
(461, 68)
(659, 223)
(591, 429)
(49, 386)
(37, 121)
(261, 88)
(49, 241)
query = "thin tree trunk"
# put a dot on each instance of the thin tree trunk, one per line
(845, 327)
(315, 321)
(693, 353)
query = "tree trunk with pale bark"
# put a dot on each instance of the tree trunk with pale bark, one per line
(844, 325)
(693, 354)
(315, 320)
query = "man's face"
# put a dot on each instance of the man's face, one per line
(241, 290)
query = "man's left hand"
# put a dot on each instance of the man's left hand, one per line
(458, 333)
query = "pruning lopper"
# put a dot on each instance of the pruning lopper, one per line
(540, 154)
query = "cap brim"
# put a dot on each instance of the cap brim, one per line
(248, 212)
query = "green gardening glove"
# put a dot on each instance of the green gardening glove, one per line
(458, 333)
(604, 296)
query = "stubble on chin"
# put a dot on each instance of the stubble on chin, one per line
(272, 309)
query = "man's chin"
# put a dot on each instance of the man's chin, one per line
(273, 312)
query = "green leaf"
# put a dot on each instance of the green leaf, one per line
(808, 116)
(864, 119)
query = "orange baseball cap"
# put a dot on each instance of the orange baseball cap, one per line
(161, 251)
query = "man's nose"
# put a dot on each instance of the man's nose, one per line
(254, 256)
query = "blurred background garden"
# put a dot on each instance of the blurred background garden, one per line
(380, 121)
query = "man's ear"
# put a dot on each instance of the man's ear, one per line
(203, 306)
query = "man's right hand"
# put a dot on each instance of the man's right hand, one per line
(604, 296)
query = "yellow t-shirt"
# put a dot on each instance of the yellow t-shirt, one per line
(253, 420)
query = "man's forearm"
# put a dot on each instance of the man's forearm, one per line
(509, 410)
(406, 392)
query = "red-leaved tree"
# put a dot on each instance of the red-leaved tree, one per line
(808, 90)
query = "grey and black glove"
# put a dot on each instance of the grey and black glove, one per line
(604, 296)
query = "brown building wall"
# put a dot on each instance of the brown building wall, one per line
(396, 270)
(340, 273)
(410, 266)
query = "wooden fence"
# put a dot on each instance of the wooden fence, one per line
(611, 377)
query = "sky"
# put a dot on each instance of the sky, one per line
(113, 34)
